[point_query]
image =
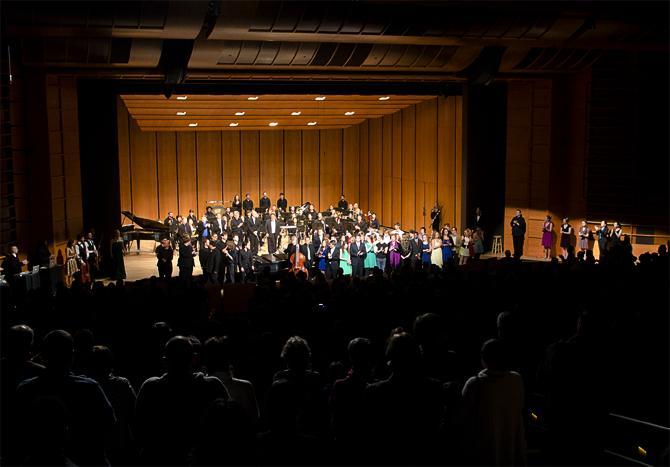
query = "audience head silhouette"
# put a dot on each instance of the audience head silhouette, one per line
(402, 354)
(493, 355)
(296, 354)
(179, 356)
(360, 354)
(19, 342)
(58, 351)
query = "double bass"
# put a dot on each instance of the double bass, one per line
(297, 261)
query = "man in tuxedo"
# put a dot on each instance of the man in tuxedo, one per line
(358, 254)
(12, 265)
(164, 254)
(171, 224)
(247, 204)
(374, 222)
(342, 204)
(307, 249)
(333, 259)
(192, 216)
(264, 203)
(236, 224)
(518, 224)
(185, 261)
(184, 230)
(317, 237)
(282, 203)
(414, 249)
(219, 225)
(435, 216)
(251, 231)
(477, 221)
(272, 230)
(245, 254)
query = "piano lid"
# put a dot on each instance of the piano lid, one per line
(147, 224)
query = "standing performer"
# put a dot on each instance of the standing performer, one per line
(272, 230)
(185, 261)
(252, 226)
(358, 253)
(333, 257)
(566, 233)
(584, 233)
(345, 257)
(547, 236)
(518, 224)
(119, 266)
(603, 233)
(435, 218)
(237, 204)
(282, 203)
(342, 204)
(264, 203)
(247, 204)
(171, 223)
(394, 252)
(164, 254)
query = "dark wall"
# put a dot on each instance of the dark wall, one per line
(486, 127)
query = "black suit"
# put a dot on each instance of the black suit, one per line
(218, 226)
(185, 262)
(282, 204)
(164, 256)
(309, 252)
(414, 252)
(342, 205)
(252, 224)
(272, 236)
(334, 261)
(11, 265)
(316, 240)
(247, 205)
(518, 225)
(264, 204)
(357, 253)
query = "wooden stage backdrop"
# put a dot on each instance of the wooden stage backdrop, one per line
(396, 165)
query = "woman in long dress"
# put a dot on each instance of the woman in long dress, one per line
(425, 251)
(345, 259)
(436, 250)
(71, 266)
(394, 252)
(370, 259)
(118, 264)
(547, 236)
(566, 233)
(464, 252)
(584, 234)
(447, 248)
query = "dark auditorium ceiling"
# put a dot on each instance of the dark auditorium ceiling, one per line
(439, 41)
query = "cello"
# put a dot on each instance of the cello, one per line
(297, 261)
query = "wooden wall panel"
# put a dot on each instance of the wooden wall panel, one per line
(396, 171)
(186, 173)
(166, 146)
(250, 164)
(231, 154)
(459, 215)
(330, 167)
(209, 176)
(386, 214)
(375, 146)
(272, 164)
(125, 194)
(293, 180)
(364, 164)
(310, 169)
(449, 173)
(144, 184)
(350, 163)
(408, 169)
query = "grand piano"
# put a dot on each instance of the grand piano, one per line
(146, 229)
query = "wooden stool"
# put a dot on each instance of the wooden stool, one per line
(497, 245)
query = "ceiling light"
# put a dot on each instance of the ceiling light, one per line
(181, 114)
(239, 114)
(182, 98)
(295, 114)
(273, 124)
(384, 98)
(252, 98)
(311, 123)
(192, 124)
(349, 113)
(233, 124)
(320, 98)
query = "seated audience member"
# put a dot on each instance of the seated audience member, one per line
(48, 434)
(121, 395)
(17, 366)
(437, 360)
(347, 399)
(405, 410)
(89, 414)
(493, 412)
(574, 380)
(217, 359)
(170, 406)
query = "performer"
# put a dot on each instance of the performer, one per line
(317, 237)
(616, 236)
(447, 247)
(83, 259)
(203, 230)
(584, 234)
(477, 221)
(345, 257)
(547, 236)
(118, 264)
(395, 254)
(184, 229)
(603, 235)
(192, 216)
(164, 254)
(381, 251)
(185, 261)
(71, 265)
(237, 204)
(425, 250)
(272, 230)
(436, 256)
(358, 253)
(307, 249)
(12, 265)
(566, 234)
(251, 227)
(374, 223)
(219, 225)
(361, 225)
(282, 203)
(247, 204)
(322, 256)
(245, 254)
(413, 250)
(518, 224)
(264, 203)
(342, 204)
(171, 223)
(92, 256)
(435, 218)
(236, 224)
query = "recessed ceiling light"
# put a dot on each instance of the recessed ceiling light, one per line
(384, 98)
(311, 123)
(273, 124)
(295, 114)
(233, 124)
(181, 114)
(252, 98)
(320, 98)
(349, 113)
(239, 114)
(192, 124)
(182, 98)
